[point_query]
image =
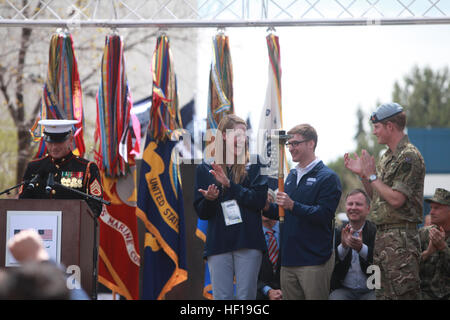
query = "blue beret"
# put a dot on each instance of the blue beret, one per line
(385, 111)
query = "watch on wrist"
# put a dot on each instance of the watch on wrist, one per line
(372, 177)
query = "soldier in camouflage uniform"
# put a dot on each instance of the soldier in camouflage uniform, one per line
(435, 242)
(396, 187)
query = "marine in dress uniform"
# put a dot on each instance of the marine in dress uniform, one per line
(66, 168)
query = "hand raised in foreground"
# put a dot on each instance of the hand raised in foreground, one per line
(345, 236)
(348, 240)
(437, 237)
(27, 245)
(355, 242)
(363, 166)
(211, 194)
(354, 165)
(220, 175)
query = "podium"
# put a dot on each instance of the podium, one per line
(78, 241)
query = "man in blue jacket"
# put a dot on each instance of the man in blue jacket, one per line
(312, 194)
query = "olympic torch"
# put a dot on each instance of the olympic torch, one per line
(282, 138)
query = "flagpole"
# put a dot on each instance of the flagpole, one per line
(282, 138)
(281, 179)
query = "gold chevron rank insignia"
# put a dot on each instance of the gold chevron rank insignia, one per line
(95, 188)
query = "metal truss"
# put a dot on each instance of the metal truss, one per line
(220, 13)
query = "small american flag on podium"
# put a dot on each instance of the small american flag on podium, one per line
(46, 234)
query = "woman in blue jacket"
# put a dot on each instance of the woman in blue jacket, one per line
(230, 194)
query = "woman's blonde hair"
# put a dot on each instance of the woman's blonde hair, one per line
(229, 122)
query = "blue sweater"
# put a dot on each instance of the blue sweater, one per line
(307, 231)
(251, 197)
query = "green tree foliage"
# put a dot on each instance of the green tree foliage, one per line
(364, 140)
(425, 94)
(23, 70)
(8, 147)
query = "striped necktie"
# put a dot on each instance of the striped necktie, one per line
(273, 248)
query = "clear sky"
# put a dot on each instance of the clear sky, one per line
(327, 72)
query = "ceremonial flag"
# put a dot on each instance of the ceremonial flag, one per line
(160, 199)
(160, 207)
(117, 139)
(61, 95)
(119, 261)
(271, 117)
(220, 103)
(220, 98)
(118, 132)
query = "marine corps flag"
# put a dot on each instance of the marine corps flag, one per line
(117, 140)
(160, 199)
(61, 95)
(119, 244)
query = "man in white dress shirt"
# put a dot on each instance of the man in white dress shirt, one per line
(354, 247)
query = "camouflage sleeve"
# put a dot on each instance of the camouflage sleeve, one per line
(410, 173)
(424, 241)
(423, 237)
(445, 254)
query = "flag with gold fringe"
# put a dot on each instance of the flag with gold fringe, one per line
(61, 95)
(117, 138)
(271, 116)
(220, 103)
(220, 97)
(160, 199)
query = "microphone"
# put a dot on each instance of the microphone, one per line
(50, 183)
(32, 183)
(38, 176)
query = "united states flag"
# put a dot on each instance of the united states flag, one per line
(46, 234)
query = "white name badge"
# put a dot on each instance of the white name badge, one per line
(231, 212)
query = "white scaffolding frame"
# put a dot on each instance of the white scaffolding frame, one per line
(185, 23)
(222, 13)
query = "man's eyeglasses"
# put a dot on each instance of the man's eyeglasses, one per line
(295, 143)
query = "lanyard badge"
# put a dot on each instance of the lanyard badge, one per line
(231, 212)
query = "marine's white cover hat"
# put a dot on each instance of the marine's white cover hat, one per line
(57, 130)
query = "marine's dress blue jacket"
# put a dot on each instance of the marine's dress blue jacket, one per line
(307, 233)
(251, 197)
